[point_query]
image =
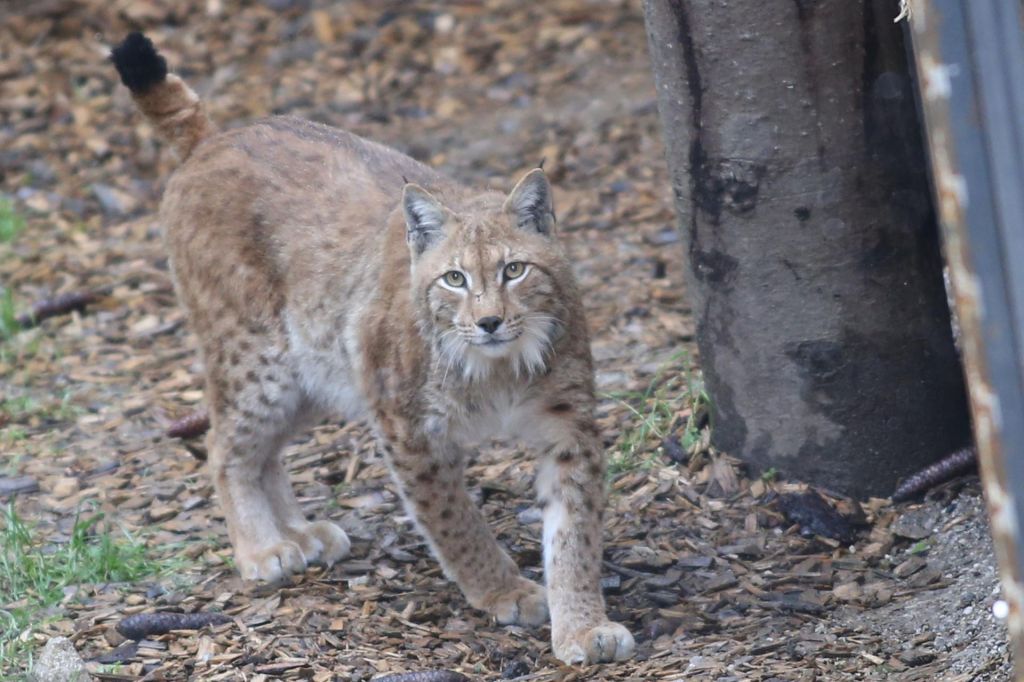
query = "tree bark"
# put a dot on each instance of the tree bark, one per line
(812, 254)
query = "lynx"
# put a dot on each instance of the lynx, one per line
(326, 275)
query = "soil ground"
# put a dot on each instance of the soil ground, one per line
(699, 562)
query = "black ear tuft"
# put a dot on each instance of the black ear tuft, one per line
(138, 63)
(424, 218)
(531, 205)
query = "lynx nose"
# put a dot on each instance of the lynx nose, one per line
(489, 323)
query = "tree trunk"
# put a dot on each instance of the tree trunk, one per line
(812, 253)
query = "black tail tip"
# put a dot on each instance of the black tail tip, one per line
(138, 63)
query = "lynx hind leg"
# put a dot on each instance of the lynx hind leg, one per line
(239, 448)
(320, 541)
(254, 403)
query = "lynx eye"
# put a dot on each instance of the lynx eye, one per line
(454, 278)
(514, 270)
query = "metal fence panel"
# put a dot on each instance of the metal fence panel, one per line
(970, 62)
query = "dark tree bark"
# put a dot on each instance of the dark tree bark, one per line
(811, 248)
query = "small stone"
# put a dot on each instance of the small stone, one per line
(916, 524)
(59, 662)
(530, 515)
(847, 591)
(909, 567)
(916, 657)
(113, 201)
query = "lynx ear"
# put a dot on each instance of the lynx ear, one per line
(530, 203)
(424, 218)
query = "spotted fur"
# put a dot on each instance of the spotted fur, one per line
(316, 268)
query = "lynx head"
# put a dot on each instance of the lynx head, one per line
(486, 275)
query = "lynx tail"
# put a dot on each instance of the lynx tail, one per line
(172, 106)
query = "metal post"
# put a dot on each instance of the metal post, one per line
(970, 63)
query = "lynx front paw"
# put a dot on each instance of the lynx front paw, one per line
(321, 542)
(599, 644)
(271, 564)
(525, 604)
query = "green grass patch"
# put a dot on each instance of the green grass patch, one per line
(11, 222)
(25, 409)
(8, 316)
(34, 574)
(64, 411)
(12, 435)
(16, 409)
(673, 404)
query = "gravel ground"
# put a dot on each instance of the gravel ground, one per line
(957, 620)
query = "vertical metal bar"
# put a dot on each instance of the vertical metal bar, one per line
(970, 56)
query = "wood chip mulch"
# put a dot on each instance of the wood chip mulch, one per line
(702, 563)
